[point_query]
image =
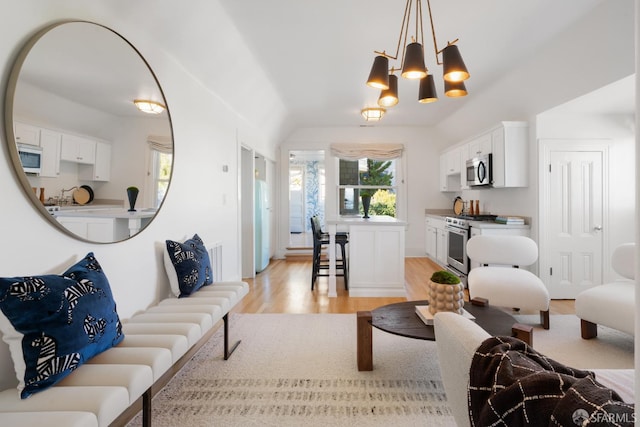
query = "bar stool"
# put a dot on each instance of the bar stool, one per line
(319, 240)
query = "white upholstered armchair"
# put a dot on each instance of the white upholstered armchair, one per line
(611, 304)
(499, 279)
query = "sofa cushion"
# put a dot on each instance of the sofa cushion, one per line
(55, 323)
(187, 265)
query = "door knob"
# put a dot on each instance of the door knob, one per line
(597, 228)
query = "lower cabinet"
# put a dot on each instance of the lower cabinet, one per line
(105, 230)
(376, 265)
(436, 240)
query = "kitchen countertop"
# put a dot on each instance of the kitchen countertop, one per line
(358, 220)
(119, 213)
(443, 213)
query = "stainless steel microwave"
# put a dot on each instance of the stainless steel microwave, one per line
(479, 171)
(30, 157)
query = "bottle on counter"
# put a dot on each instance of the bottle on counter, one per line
(471, 208)
(477, 210)
(42, 195)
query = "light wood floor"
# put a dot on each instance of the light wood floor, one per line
(285, 287)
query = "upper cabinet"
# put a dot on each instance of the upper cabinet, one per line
(508, 146)
(92, 156)
(26, 134)
(450, 165)
(100, 170)
(510, 167)
(50, 141)
(480, 146)
(78, 149)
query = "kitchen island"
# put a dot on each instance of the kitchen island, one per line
(376, 255)
(104, 225)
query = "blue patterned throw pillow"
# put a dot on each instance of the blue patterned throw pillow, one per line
(53, 324)
(188, 266)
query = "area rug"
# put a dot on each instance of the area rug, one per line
(562, 342)
(300, 370)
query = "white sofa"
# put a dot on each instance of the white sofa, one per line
(115, 385)
(457, 339)
(611, 304)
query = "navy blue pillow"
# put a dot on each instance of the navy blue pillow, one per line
(188, 266)
(53, 324)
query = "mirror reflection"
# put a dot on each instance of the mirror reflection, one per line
(78, 142)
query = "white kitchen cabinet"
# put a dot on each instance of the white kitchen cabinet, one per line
(436, 240)
(376, 264)
(464, 156)
(100, 170)
(104, 230)
(50, 142)
(431, 239)
(510, 166)
(442, 246)
(26, 134)
(450, 170)
(78, 149)
(480, 146)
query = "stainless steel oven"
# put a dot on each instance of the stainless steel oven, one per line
(457, 236)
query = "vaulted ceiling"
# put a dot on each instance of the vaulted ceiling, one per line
(318, 54)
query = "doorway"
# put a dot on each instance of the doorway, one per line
(573, 218)
(306, 195)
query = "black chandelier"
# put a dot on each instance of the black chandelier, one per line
(413, 66)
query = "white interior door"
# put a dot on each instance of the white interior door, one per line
(573, 221)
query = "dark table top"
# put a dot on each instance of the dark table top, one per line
(401, 319)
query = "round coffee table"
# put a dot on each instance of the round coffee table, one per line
(401, 319)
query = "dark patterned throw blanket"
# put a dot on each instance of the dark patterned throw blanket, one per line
(511, 384)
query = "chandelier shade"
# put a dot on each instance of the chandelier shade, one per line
(379, 75)
(427, 92)
(455, 89)
(413, 65)
(453, 67)
(389, 97)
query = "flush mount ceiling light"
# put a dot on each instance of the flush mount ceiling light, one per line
(150, 107)
(372, 114)
(412, 59)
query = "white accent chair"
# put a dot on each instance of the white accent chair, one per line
(611, 304)
(500, 281)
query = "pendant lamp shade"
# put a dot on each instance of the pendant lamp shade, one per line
(389, 97)
(413, 65)
(453, 67)
(454, 89)
(379, 75)
(427, 92)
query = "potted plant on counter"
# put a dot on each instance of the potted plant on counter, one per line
(446, 292)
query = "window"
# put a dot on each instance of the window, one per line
(161, 173)
(376, 178)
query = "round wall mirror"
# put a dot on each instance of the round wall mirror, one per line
(91, 161)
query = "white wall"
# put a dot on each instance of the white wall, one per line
(202, 198)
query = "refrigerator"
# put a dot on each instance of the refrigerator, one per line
(262, 221)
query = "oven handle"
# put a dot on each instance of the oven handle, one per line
(456, 230)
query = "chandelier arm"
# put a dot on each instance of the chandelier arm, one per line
(406, 21)
(403, 30)
(419, 18)
(433, 34)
